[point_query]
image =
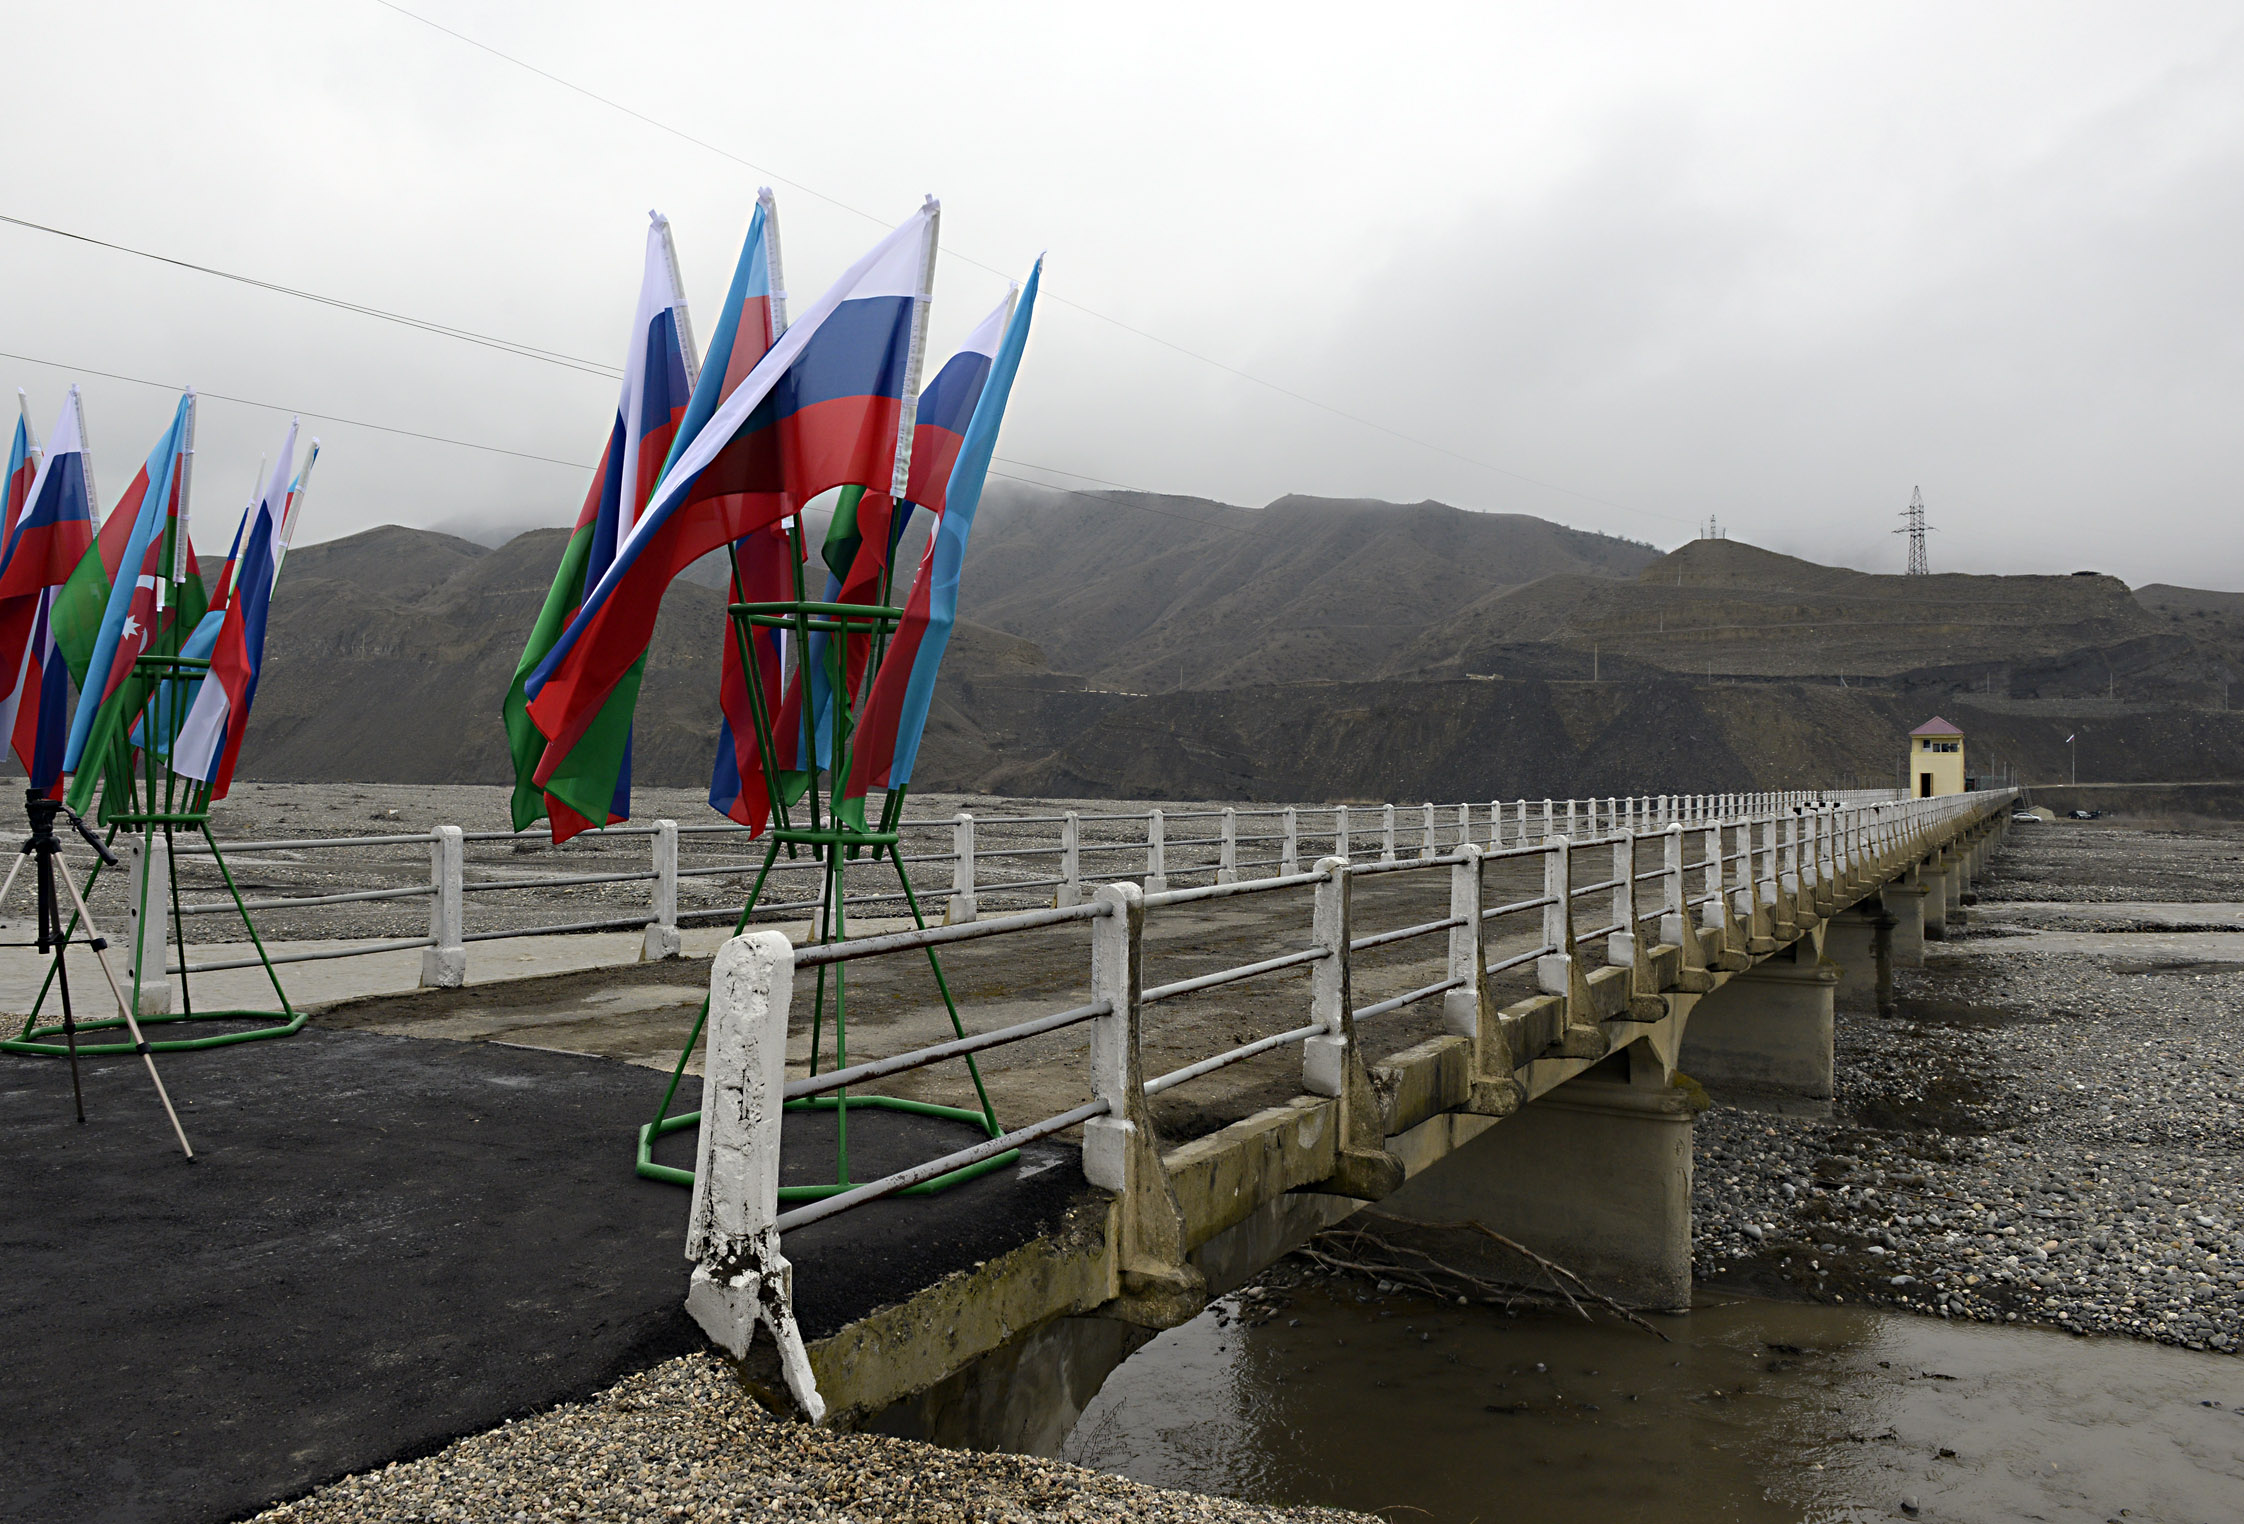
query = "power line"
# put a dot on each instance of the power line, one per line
(467, 335)
(305, 412)
(1052, 296)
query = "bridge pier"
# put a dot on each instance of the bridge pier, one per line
(1860, 942)
(1768, 1028)
(1904, 903)
(1596, 1175)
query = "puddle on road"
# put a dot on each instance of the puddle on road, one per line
(1758, 1411)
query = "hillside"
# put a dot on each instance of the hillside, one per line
(389, 652)
(1153, 594)
(1325, 650)
(1723, 608)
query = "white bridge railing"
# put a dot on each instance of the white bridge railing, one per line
(475, 891)
(1718, 863)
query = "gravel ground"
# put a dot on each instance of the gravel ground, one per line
(684, 1441)
(2035, 1136)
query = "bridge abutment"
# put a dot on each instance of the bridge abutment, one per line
(1768, 1028)
(1596, 1176)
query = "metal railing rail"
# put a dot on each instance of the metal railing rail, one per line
(1772, 854)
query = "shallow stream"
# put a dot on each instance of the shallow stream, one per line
(1755, 1411)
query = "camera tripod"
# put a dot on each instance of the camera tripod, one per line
(45, 848)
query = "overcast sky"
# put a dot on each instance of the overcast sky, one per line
(1623, 267)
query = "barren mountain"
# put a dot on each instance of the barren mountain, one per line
(1325, 649)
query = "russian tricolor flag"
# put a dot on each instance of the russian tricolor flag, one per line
(210, 739)
(829, 405)
(49, 527)
(888, 733)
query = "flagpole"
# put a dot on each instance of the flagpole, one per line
(900, 474)
(77, 405)
(30, 434)
(774, 271)
(294, 505)
(678, 295)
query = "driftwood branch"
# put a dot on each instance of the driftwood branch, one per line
(1331, 1248)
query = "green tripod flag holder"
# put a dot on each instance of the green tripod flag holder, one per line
(834, 842)
(143, 796)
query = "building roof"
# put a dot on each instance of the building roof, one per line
(1936, 726)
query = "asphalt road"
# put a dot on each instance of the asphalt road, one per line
(383, 1244)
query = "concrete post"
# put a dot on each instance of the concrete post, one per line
(1289, 852)
(1710, 913)
(1386, 833)
(740, 1278)
(1547, 824)
(1904, 902)
(1070, 891)
(662, 939)
(1495, 825)
(1121, 1151)
(148, 921)
(1156, 853)
(1620, 946)
(1227, 855)
(1554, 969)
(1117, 941)
(1340, 831)
(1426, 835)
(1768, 1029)
(1572, 830)
(444, 966)
(1765, 881)
(1460, 1008)
(1324, 1057)
(965, 902)
(1464, 824)
(1790, 883)
(1674, 916)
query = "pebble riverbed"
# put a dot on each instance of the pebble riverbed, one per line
(2036, 1135)
(685, 1442)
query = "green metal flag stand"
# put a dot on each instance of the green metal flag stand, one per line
(141, 794)
(834, 841)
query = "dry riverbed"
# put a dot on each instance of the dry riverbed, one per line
(2047, 1130)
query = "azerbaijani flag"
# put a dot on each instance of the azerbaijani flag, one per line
(829, 405)
(587, 782)
(888, 733)
(157, 554)
(49, 526)
(210, 739)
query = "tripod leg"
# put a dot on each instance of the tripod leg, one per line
(124, 1009)
(50, 920)
(13, 869)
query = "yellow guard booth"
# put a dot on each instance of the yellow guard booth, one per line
(1936, 759)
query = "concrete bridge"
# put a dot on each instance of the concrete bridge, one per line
(1590, 987)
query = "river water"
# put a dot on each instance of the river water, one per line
(1756, 1411)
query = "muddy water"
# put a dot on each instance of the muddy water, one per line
(1756, 1411)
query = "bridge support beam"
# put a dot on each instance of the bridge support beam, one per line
(1767, 1029)
(1596, 1175)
